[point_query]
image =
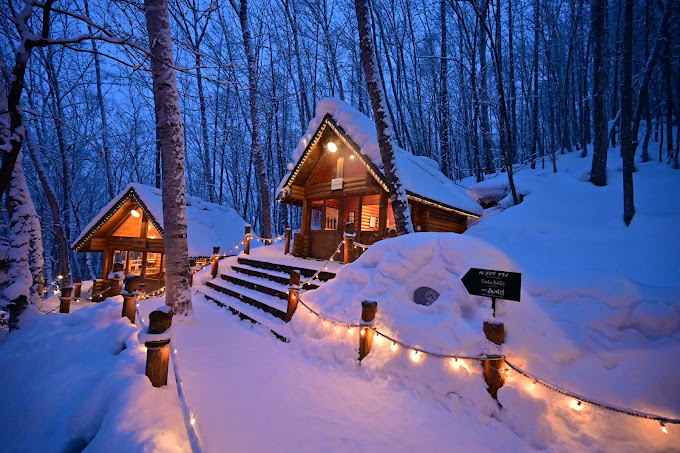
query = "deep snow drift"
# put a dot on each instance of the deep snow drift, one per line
(600, 316)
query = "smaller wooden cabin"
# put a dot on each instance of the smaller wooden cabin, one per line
(338, 180)
(129, 232)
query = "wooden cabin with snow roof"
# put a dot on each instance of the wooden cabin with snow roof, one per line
(129, 231)
(338, 180)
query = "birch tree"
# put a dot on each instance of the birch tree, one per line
(383, 126)
(170, 134)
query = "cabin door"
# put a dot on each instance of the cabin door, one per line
(326, 228)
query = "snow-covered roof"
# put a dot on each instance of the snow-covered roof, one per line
(419, 175)
(208, 224)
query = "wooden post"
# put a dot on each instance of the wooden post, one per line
(78, 284)
(131, 285)
(158, 352)
(215, 261)
(116, 288)
(495, 332)
(293, 294)
(246, 243)
(368, 311)
(349, 242)
(65, 300)
(286, 248)
(142, 288)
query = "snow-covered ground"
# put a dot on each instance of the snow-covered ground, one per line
(600, 316)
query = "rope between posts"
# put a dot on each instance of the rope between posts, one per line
(359, 244)
(189, 420)
(592, 402)
(553, 387)
(270, 240)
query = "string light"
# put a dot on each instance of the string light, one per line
(394, 347)
(415, 356)
(663, 428)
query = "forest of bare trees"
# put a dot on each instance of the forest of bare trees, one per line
(480, 86)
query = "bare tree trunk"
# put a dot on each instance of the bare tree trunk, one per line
(627, 148)
(534, 119)
(489, 166)
(266, 215)
(170, 133)
(444, 98)
(402, 215)
(598, 12)
(102, 111)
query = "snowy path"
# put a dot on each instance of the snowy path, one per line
(251, 392)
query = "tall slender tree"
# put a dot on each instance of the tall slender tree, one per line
(170, 134)
(383, 126)
(598, 12)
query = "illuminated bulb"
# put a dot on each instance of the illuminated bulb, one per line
(454, 364)
(394, 347)
(363, 332)
(134, 213)
(324, 322)
(533, 385)
(175, 350)
(310, 313)
(415, 357)
(193, 421)
(351, 156)
(663, 428)
(332, 147)
(60, 277)
(576, 405)
(507, 371)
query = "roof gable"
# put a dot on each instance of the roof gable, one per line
(208, 224)
(419, 175)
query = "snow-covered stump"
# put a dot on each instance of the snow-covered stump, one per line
(131, 285)
(246, 241)
(368, 311)
(65, 300)
(293, 294)
(495, 332)
(77, 287)
(286, 248)
(157, 342)
(215, 261)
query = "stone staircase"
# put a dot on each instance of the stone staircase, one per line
(257, 290)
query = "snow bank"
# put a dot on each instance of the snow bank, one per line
(390, 272)
(418, 174)
(75, 381)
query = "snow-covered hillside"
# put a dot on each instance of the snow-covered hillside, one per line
(599, 316)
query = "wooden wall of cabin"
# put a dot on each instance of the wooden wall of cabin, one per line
(431, 218)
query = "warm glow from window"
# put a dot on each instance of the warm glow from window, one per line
(134, 213)
(332, 147)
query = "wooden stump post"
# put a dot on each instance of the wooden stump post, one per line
(78, 285)
(293, 294)
(65, 300)
(158, 352)
(495, 332)
(349, 242)
(286, 248)
(246, 242)
(131, 285)
(215, 261)
(116, 288)
(368, 311)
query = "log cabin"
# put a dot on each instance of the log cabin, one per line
(338, 180)
(129, 232)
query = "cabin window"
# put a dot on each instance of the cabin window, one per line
(331, 214)
(154, 266)
(370, 212)
(317, 214)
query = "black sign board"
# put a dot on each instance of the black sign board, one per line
(494, 284)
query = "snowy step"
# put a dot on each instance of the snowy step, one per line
(304, 271)
(260, 285)
(281, 278)
(246, 312)
(269, 304)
